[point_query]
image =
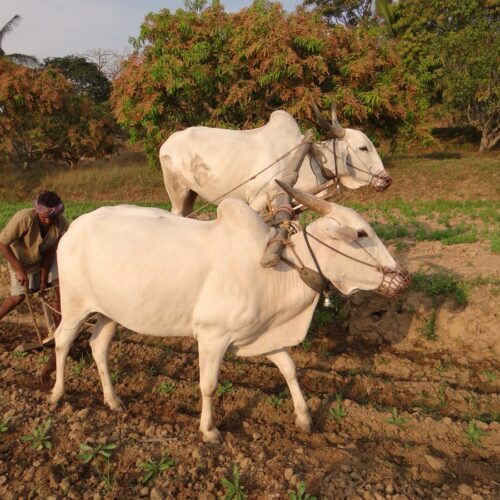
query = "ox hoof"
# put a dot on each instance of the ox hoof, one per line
(212, 436)
(53, 399)
(116, 405)
(304, 424)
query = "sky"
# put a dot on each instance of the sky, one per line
(56, 28)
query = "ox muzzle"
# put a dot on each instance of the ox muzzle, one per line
(380, 182)
(395, 281)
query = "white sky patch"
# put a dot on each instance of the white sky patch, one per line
(56, 28)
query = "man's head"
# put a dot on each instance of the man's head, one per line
(48, 206)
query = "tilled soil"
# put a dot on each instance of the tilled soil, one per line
(416, 418)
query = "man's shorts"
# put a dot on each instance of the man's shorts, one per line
(33, 273)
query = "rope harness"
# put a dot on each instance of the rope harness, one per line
(394, 280)
(378, 181)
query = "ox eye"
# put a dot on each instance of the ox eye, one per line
(362, 233)
(364, 148)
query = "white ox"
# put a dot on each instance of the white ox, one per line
(216, 163)
(163, 275)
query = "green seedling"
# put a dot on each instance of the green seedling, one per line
(3, 424)
(306, 345)
(275, 401)
(166, 387)
(490, 375)
(115, 377)
(429, 328)
(38, 437)
(234, 490)
(153, 469)
(395, 419)
(88, 453)
(224, 387)
(19, 354)
(337, 411)
(301, 493)
(43, 359)
(79, 366)
(473, 433)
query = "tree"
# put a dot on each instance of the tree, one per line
(452, 49)
(471, 77)
(233, 70)
(346, 12)
(17, 58)
(86, 77)
(109, 62)
(42, 117)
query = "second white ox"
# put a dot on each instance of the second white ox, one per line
(163, 275)
(219, 163)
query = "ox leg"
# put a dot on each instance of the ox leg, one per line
(64, 338)
(286, 366)
(99, 342)
(210, 355)
(182, 197)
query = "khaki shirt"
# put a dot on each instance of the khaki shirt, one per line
(22, 234)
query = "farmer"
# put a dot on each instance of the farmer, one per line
(29, 242)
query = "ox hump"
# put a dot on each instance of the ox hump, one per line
(237, 215)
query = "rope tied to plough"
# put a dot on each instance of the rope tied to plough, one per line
(212, 202)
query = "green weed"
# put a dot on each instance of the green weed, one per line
(153, 469)
(491, 376)
(166, 387)
(306, 345)
(395, 419)
(473, 433)
(19, 354)
(429, 328)
(89, 453)
(3, 424)
(275, 401)
(79, 366)
(224, 387)
(234, 490)
(337, 412)
(301, 493)
(115, 377)
(38, 436)
(440, 285)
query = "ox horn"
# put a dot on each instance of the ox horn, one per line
(334, 129)
(308, 200)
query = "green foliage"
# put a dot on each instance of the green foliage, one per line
(429, 328)
(88, 453)
(234, 490)
(452, 48)
(301, 493)
(396, 419)
(490, 375)
(38, 436)
(337, 412)
(440, 285)
(275, 401)
(4, 424)
(231, 70)
(473, 433)
(166, 387)
(224, 387)
(153, 469)
(86, 78)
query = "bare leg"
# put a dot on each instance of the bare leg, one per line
(286, 366)
(9, 304)
(99, 342)
(210, 357)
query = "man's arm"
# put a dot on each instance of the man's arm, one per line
(47, 259)
(17, 266)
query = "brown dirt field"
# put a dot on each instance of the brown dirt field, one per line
(375, 356)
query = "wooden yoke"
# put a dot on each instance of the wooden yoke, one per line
(281, 203)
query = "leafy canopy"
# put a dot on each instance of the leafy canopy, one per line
(205, 66)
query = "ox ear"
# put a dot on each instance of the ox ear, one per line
(343, 232)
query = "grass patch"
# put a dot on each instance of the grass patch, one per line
(440, 286)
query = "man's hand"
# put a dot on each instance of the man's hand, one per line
(21, 275)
